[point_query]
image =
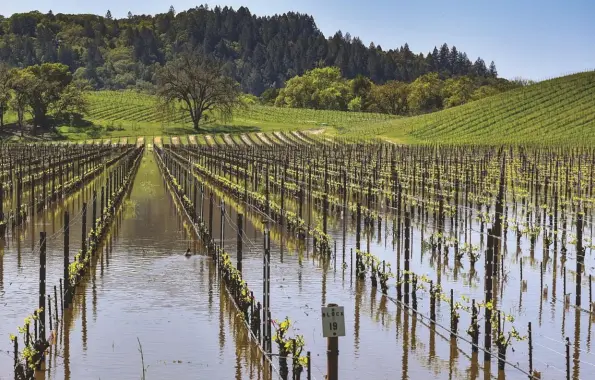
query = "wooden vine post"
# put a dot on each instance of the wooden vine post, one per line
(211, 205)
(266, 287)
(239, 243)
(42, 280)
(84, 233)
(94, 216)
(102, 205)
(67, 292)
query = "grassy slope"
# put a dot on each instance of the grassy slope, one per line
(127, 113)
(557, 110)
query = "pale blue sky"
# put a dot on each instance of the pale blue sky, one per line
(535, 39)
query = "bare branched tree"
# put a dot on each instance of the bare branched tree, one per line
(197, 85)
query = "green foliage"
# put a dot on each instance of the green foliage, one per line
(20, 83)
(269, 96)
(249, 99)
(390, 98)
(425, 94)
(259, 52)
(43, 90)
(325, 88)
(457, 91)
(484, 92)
(361, 87)
(321, 88)
(47, 84)
(287, 345)
(355, 104)
(29, 352)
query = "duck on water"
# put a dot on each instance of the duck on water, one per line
(188, 254)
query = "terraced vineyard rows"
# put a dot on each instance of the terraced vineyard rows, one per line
(550, 112)
(124, 112)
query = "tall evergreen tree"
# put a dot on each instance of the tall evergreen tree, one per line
(479, 68)
(453, 61)
(493, 72)
(444, 58)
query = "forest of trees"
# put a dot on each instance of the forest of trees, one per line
(260, 53)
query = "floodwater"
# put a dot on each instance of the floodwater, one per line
(381, 342)
(143, 292)
(378, 331)
(300, 284)
(19, 262)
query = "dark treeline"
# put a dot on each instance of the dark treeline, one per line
(259, 52)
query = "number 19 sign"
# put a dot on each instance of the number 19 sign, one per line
(333, 321)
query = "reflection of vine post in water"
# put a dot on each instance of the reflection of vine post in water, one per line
(577, 343)
(405, 359)
(19, 264)
(222, 300)
(359, 289)
(473, 370)
(84, 319)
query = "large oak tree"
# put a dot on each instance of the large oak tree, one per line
(44, 90)
(196, 83)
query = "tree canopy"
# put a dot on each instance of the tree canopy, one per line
(322, 88)
(46, 85)
(258, 52)
(42, 90)
(197, 85)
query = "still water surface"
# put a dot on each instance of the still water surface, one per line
(142, 288)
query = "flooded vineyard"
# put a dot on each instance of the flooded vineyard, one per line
(214, 260)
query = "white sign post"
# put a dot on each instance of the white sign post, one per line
(333, 321)
(333, 326)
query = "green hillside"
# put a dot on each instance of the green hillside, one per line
(560, 110)
(129, 113)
